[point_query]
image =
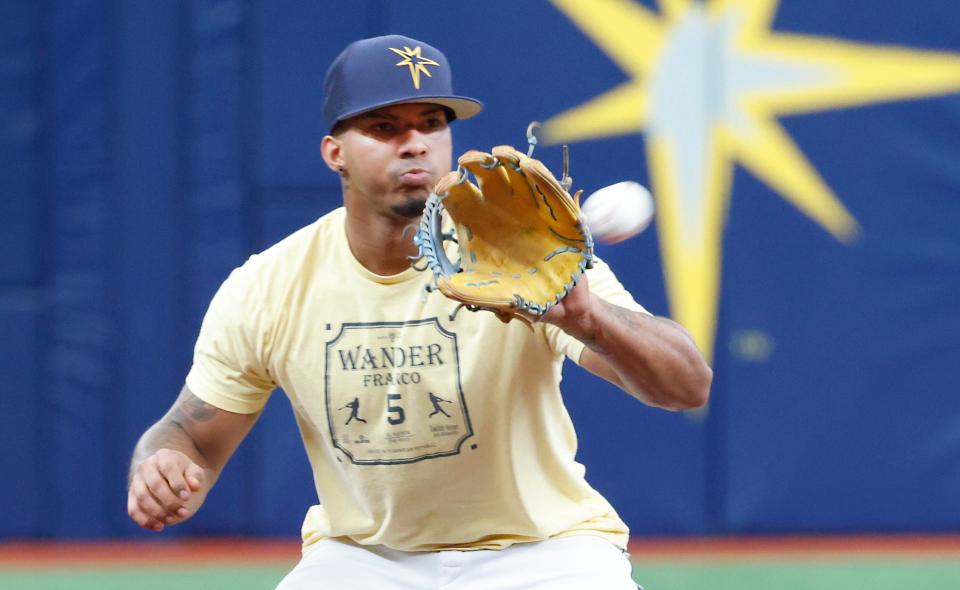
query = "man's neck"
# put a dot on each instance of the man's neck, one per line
(378, 243)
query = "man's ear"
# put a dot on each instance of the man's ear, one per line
(332, 153)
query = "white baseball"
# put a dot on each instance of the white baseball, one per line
(619, 211)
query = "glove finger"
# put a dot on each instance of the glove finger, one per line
(510, 160)
(456, 190)
(490, 174)
(551, 193)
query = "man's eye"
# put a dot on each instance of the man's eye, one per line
(435, 123)
(382, 127)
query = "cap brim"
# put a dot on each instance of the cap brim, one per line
(463, 107)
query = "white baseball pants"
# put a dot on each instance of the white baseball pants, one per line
(573, 563)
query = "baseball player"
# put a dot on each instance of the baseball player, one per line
(482, 494)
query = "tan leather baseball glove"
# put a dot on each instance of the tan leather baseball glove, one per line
(522, 240)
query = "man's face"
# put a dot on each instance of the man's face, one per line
(393, 156)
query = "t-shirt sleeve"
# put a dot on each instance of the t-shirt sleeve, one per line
(605, 285)
(231, 355)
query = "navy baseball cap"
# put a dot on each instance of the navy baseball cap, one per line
(389, 70)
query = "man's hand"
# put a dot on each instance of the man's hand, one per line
(178, 459)
(165, 488)
(573, 313)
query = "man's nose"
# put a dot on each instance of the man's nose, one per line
(413, 144)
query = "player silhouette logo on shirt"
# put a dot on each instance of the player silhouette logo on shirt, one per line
(437, 409)
(354, 411)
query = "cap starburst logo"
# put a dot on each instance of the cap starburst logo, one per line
(707, 83)
(416, 62)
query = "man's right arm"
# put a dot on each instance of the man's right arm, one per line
(179, 458)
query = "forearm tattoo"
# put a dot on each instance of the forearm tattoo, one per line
(624, 316)
(172, 431)
(192, 409)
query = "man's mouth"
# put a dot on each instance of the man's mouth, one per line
(416, 177)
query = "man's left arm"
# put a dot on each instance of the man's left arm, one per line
(653, 359)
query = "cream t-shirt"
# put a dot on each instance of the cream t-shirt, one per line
(424, 433)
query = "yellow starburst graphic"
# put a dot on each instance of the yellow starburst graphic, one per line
(416, 62)
(708, 81)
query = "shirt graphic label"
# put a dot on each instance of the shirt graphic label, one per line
(393, 392)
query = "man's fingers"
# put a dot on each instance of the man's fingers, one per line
(145, 503)
(194, 476)
(140, 517)
(145, 522)
(175, 472)
(161, 490)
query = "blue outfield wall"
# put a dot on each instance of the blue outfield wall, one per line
(152, 146)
